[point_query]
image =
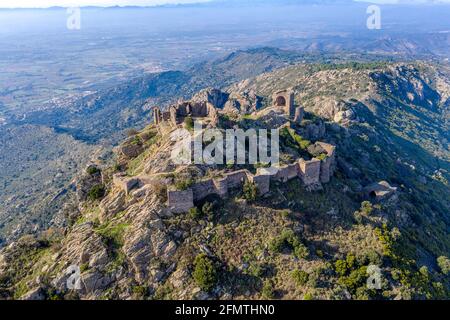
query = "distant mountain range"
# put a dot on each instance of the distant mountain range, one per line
(214, 3)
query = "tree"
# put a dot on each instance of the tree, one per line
(444, 263)
(205, 273)
(91, 170)
(96, 192)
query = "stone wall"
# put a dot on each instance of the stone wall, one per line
(177, 113)
(299, 114)
(262, 182)
(310, 171)
(221, 187)
(124, 183)
(180, 201)
(203, 189)
(286, 173)
(237, 179)
(325, 170)
(328, 165)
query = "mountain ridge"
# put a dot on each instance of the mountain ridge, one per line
(292, 244)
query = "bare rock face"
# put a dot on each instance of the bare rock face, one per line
(35, 294)
(95, 281)
(148, 239)
(232, 106)
(82, 247)
(343, 116)
(112, 205)
(314, 131)
(216, 97)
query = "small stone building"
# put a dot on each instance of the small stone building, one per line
(285, 99)
(379, 190)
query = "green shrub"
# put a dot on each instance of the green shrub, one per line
(139, 291)
(293, 139)
(113, 238)
(194, 213)
(343, 267)
(208, 210)
(366, 208)
(301, 251)
(387, 238)
(340, 266)
(267, 291)
(205, 273)
(91, 170)
(308, 296)
(189, 123)
(365, 211)
(183, 184)
(117, 167)
(96, 192)
(257, 270)
(285, 213)
(355, 279)
(362, 293)
(250, 191)
(136, 141)
(444, 264)
(84, 267)
(300, 277)
(322, 156)
(288, 240)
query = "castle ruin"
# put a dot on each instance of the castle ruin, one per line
(312, 172)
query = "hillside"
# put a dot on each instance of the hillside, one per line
(82, 121)
(389, 122)
(75, 129)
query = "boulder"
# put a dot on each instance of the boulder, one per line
(35, 294)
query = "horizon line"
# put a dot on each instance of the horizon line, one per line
(209, 2)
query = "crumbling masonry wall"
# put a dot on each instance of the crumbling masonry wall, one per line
(180, 201)
(311, 172)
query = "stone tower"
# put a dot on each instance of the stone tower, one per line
(285, 99)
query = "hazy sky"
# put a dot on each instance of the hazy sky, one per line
(80, 3)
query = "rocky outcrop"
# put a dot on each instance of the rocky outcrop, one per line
(35, 294)
(214, 96)
(110, 206)
(131, 148)
(91, 177)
